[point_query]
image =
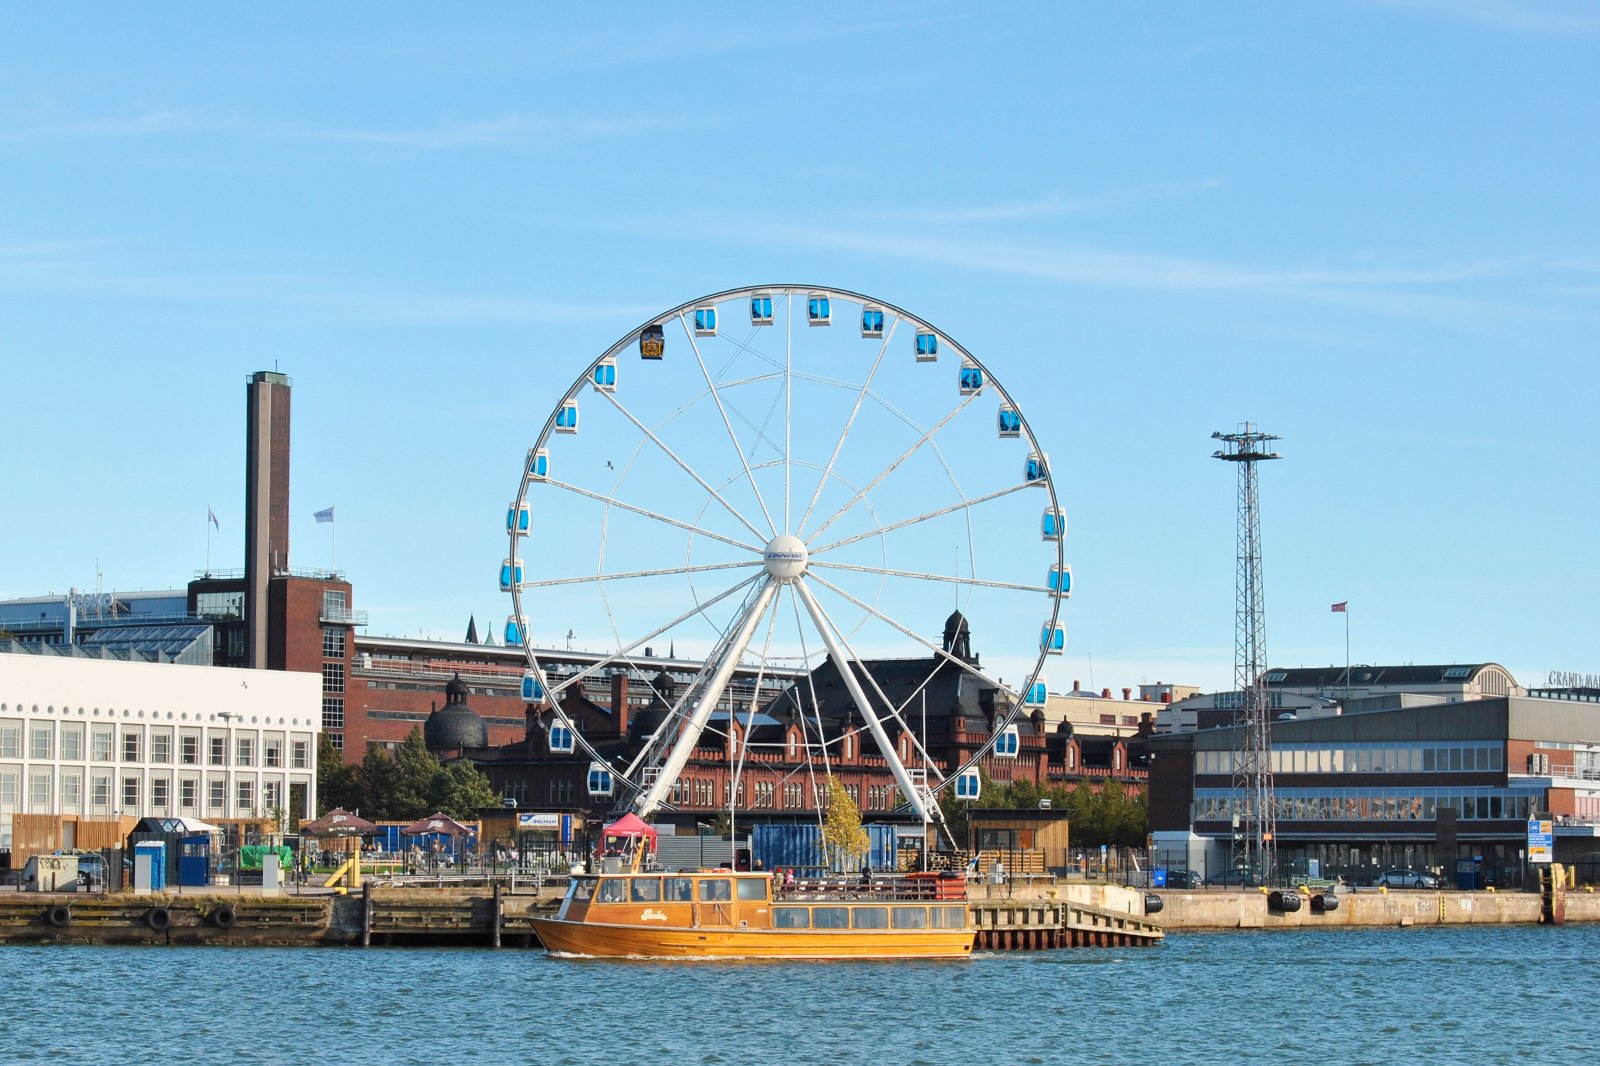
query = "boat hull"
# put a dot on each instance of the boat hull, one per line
(597, 940)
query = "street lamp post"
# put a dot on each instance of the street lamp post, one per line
(227, 761)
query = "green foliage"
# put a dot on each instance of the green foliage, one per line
(458, 790)
(400, 788)
(338, 783)
(844, 840)
(1108, 816)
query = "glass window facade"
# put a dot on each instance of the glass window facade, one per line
(1426, 757)
(1375, 804)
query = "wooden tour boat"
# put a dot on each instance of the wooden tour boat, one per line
(723, 914)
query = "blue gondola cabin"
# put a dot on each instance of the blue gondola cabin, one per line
(561, 740)
(819, 309)
(532, 688)
(1060, 582)
(567, 417)
(761, 309)
(519, 519)
(605, 375)
(705, 321)
(872, 322)
(969, 785)
(971, 378)
(516, 631)
(510, 575)
(1054, 524)
(1007, 743)
(927, 346)
(600, 782)
(1010, 421)
(1053, 639)
(538, 464)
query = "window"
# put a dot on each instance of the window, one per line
(246, 751)
(219, 751)
(869, 917)
(333, 714)
(11, 741)
(100, 745)
(160, 793)
(791, 917)
(715, 890)
(332, 642)
(189, 749)
(216, 791)
(910, 917)
(130, 794)
(302, 755)
(131, 746)
(752, 889)
(272, 795)
(335, 605)
(71, 789)
(100, 790)
(41, 742)
(245, 794)
(39, 791)
(645, 889)
(188, 793)
(160, 747)
(72, 742)
(272, 752)
(10, 782)
(333, 677)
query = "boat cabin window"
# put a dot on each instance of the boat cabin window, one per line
(910, 917)
(678, 890)
(869, 917)
(714, 890)
(830, 917)
(791, 917)
(581, 889)
(611, 891)
(645, 889)
(752, 888)
(948, 917)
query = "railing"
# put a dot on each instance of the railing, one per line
(344, 616)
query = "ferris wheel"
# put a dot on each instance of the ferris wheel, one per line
(764, 480)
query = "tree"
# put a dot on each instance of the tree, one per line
(458, 790)
(844, 841)
(338, 782)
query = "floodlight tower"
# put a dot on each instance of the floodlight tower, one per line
(1254, 814)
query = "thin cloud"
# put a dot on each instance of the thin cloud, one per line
(153, 122)
(1057, 204)
(509, 131)
(1520, 16)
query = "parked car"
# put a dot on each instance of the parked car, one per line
(1183, 878)
(1234, 879)
(1407, 879)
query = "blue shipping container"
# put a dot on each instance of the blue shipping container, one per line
(800, 847)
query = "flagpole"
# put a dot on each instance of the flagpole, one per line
(208, 541)
(1347, 651)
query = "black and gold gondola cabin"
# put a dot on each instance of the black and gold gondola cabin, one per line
(652, 342)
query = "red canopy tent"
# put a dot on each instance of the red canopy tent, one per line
(630, 838)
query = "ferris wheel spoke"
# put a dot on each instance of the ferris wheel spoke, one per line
(889, 705)
(727, 657)
(623, 575)
(685, 467)
(612, 501)
(620, 653)
(927, 436)
(716, 398)
(972, 582)
(861, 395)
(845, 662)
(924, 517)
(919, 638)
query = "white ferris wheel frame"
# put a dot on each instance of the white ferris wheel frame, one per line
(651, 784)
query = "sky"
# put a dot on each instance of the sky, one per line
(1368, 226)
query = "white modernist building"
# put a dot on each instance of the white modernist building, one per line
(99, 738)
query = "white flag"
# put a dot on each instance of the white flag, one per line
(213, 516)
(325, 516)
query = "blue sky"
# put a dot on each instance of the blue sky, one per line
(1368, 226)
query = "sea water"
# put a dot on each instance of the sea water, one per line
(1392, 996)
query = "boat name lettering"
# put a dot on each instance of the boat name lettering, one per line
(652, 916)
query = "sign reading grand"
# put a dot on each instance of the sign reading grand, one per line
(1541, 840)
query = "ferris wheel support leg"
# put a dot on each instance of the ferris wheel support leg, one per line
(824, 625)
(672, 766)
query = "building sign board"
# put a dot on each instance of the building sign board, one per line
(1541, 842)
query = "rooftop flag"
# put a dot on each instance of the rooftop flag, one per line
(327, 516)
(1339, 608)
(213, 516)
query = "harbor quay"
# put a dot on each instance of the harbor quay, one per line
(1006, 917)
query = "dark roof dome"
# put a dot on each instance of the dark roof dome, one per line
(455, 725)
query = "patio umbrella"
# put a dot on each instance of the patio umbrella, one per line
(436, 823)
(338, 822)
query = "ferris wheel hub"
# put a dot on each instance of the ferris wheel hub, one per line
(786, 557)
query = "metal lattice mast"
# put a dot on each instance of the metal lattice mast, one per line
(1254, 807)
